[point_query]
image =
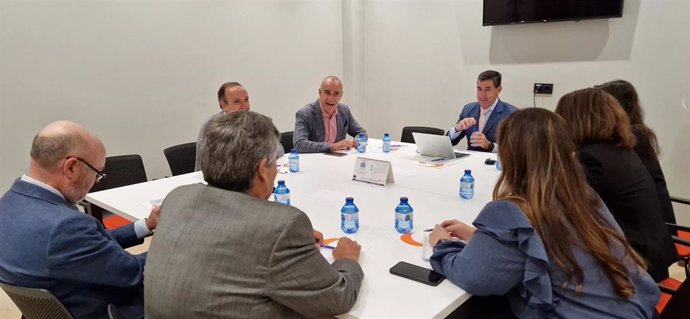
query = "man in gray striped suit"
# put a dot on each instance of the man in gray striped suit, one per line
(222, 250)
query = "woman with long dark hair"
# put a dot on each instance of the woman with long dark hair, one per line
(604, 139)
(546, 241)
(646, 147)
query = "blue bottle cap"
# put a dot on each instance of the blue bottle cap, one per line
(349, 199)
(403, 199)
(281, 182)
(468, 171)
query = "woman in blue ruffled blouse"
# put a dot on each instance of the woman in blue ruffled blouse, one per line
(546, 241)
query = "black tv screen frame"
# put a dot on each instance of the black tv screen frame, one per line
(504, 12)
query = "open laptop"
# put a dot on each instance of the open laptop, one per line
(436, 146)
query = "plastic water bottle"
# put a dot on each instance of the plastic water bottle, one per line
(386, 142)
(404, 217)
(467, 185)
(293, 160)
(361, 143)
(281, 194)
(349, 216)
(498, 163)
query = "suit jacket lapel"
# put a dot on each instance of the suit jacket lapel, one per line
(493, 118)
(475, 112)
(319, 133)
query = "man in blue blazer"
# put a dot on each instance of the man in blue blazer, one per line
(323, 126)
(45, 242)
(479, 120)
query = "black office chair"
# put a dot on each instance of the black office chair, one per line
(36, 303)
(677, 307)
(675, 293)
(286, 141)
(113, 313)
(181, 158)
(681, 237)
(407, 137)
(120, 171)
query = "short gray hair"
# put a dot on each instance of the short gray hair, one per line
(235, 145)
(48, 151)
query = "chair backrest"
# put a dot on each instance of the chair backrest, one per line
(121, 170)
(286, 141)
(406, 135)
(113, 313)
(677, 307)
(181, 158)
(681, 237)
(36, 303)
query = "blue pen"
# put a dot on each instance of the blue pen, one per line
(437, 159)
(327, 246)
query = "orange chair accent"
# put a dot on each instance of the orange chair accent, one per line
(682, 249)
(115, 221)
(673, 290)
(667, 286)
(664, 298)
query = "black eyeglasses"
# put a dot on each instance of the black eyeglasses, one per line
(99, 175)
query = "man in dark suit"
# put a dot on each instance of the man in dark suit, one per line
(479, 120)
(323, 125)
(222, 250)
(232, 97)
(45, 242)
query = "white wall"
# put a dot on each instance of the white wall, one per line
(422, 59)
(143, 74)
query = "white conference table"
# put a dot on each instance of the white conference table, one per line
(319, 189)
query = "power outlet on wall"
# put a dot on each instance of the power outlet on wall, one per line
(543, 88)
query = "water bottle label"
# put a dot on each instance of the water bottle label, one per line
(386, 146)
(361, 147)
(294, 166)
(350, 221)
(283, 198)
(466, 190)
(403, 222)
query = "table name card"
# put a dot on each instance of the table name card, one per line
(373, 171)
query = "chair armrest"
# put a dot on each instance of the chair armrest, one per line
(676, 227)
(681, 241)
(666, 290)
(680, 200)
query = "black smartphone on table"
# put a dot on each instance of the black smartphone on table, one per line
(417, 273)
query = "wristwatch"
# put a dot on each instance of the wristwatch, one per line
(491, 146)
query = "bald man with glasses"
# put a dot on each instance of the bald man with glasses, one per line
(45, 242)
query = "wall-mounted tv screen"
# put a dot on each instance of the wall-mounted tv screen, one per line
(498, 12)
